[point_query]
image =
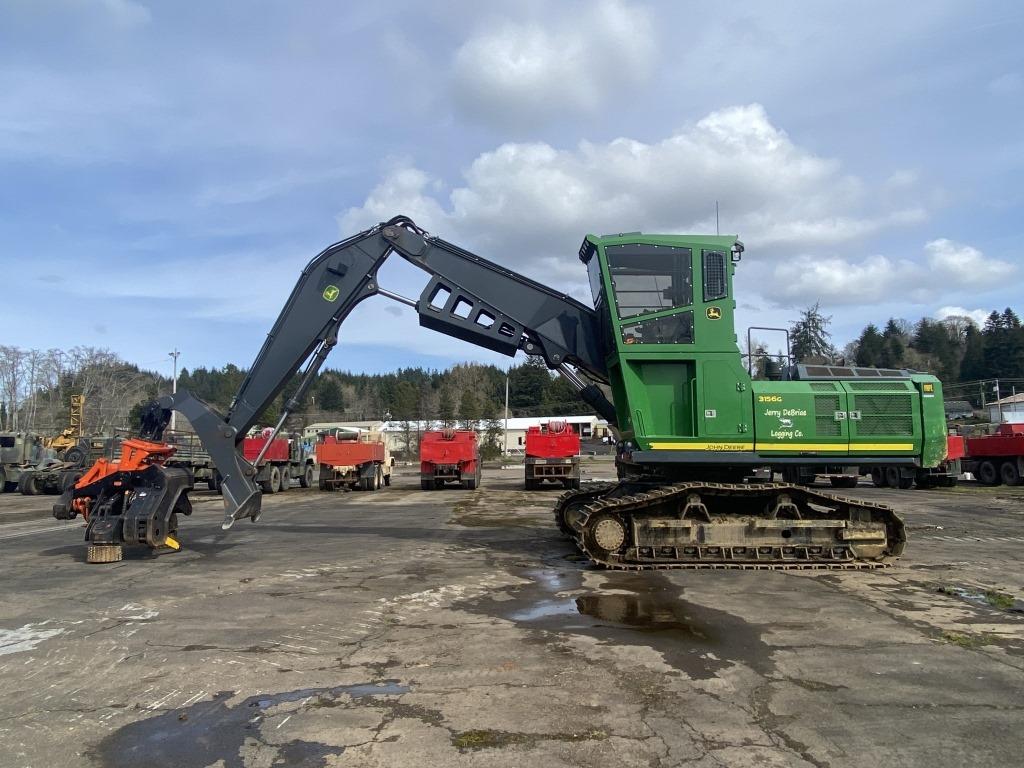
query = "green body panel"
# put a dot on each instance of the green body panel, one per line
(688, 390)
(933, 417)
(792, 418)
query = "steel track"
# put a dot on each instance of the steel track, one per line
(822, 506)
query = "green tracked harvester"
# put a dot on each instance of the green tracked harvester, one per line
(693, 424)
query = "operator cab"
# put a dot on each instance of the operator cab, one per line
(650, 279)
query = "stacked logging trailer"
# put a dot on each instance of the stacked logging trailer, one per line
(449, 455)
(552, 453)
(353, 460)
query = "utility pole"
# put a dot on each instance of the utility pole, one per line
(506, 412)
(174, 382)
(999, 402)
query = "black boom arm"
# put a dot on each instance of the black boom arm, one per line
(467, 297)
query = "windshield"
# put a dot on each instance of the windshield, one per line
(649, 278)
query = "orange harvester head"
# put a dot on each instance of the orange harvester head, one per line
(135, 455)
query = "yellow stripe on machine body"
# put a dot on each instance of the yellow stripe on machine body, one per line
(718, 446)
(844, 447)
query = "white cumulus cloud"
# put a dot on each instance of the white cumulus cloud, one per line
(946, 269)
(977, 315)
(528, 204)
(964, 265)
(522, 71)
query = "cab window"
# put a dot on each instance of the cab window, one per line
(650, 278)
(594, 273)
(715, 281)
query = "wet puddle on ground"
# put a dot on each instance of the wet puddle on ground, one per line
(210, 731)
(638, 610)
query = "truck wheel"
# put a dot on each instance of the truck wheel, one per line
(988, 474)
(426, 484)
(306, 481)
(892, 477)
(286, 478)
(387, 479)
(3, 480)
(1009, 473)
(575, 484)
(323, 483)
(378, 482)
(878, 477)
(438, 485)
(211, 481)
(471, 483)
(273, 481)
(74, 455)
(27, 484)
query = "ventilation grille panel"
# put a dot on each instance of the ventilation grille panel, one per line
(885, 415)
(825, 424)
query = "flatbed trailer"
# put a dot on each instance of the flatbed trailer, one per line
(190, 454)
(997, 459)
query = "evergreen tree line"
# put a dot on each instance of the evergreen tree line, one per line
(468, 392)
(954, 349)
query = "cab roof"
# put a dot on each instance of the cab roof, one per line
(725, 242)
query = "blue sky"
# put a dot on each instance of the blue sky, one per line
(167, 169)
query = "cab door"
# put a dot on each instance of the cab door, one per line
(724, 402)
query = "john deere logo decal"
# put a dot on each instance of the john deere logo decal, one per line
(331, 293)
(713, 313)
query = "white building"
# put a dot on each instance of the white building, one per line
(1009, 409)
(588, 427)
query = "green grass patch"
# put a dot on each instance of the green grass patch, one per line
(968, 640)
(1000, 600)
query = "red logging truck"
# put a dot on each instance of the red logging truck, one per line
(449, 455)
(552, 453)
(356, 460)
(285, 459)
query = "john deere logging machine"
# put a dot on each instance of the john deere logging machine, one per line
(692, 423)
